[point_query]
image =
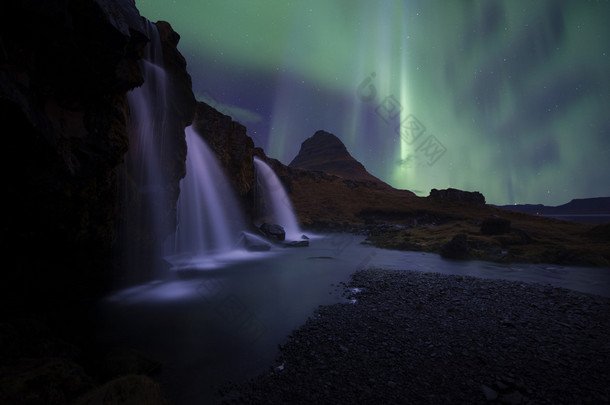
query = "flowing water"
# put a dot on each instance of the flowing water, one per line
(210, 220)
(280, 209)
(144, 199)
(210, 326)
(221, 311)
(148, 106)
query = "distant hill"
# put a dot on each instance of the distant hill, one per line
(580, 206)
(325, 152)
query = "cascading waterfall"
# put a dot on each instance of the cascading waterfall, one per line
(209, 218)
(146, 210)
(280, 209)
(210, 224)
(148, 106)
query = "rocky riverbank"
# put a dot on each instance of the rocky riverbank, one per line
(414, 337)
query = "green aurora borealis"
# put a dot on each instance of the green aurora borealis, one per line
(513, 97)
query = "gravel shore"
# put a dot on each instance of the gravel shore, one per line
(413, 337)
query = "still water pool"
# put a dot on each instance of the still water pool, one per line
(223, 321)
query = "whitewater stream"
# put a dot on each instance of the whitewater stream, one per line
(224, 323)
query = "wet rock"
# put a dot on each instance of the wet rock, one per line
(273, 231)
(253, 244)
(297, 243)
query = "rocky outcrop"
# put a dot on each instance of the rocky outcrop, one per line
(452, 194)
(65, 70)
(325, 152)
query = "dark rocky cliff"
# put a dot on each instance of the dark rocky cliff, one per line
(65, 69)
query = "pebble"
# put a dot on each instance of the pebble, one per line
(489, 393)
(406, 347)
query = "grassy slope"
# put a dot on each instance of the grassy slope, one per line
(326, 201)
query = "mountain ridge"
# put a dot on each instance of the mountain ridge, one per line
(325, 152)
(582, 206)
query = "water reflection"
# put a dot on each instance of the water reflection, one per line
(224, 322)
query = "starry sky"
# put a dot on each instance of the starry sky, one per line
(510, 98)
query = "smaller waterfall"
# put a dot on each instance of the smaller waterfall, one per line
(209, 218)
(279, 208)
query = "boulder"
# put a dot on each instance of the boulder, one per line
(297, 243)
(273, 231)
(253, 243)
(456, 248)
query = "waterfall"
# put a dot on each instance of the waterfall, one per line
(146, 221)
(279, 208)
(210, 220)
(148, 107)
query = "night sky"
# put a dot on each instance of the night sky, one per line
(510, 98)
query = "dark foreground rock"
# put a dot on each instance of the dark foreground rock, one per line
(297, 243)
(413, 337)
(456, 248)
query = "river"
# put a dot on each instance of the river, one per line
(224, 323)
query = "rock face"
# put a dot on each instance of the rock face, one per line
(325, 152)
(65, 70)
(235, 149)
(452, 194)
(141, 235)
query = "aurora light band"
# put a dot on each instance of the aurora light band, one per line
(516, 93)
